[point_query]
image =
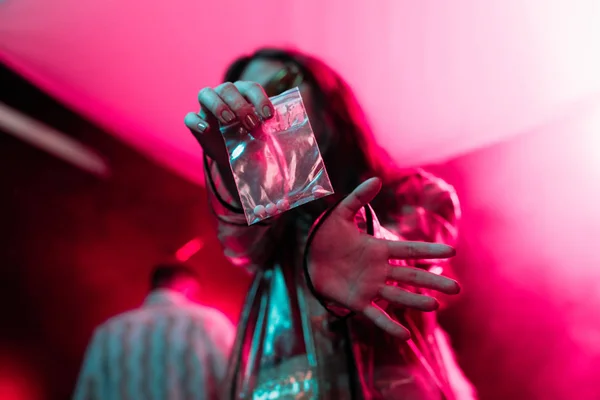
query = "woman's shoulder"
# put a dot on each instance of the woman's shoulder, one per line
(418, 187)
(416, 181)
(421, 205)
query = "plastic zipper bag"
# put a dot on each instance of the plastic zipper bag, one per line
(278, 165)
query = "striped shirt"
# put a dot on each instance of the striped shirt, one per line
(169, 348)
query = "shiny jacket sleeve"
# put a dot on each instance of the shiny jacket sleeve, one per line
(423, 208)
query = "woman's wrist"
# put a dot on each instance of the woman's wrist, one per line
(221, 183)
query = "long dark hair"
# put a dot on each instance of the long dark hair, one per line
(344, 136)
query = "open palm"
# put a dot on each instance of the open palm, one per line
(352, 268)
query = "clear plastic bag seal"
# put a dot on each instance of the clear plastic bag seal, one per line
(277, 166)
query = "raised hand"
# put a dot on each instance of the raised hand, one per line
(352, 268)
(229, 102)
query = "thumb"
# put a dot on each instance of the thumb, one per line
(209, 136)
(360, 197)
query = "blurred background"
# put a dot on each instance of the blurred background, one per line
(100, 179)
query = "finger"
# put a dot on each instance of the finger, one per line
(405, 298)
(196, 125)
(424, 279)
(383, 321)
(405, 250)
(360, 197)
(243, 110)
(213, 104)
(256, 95)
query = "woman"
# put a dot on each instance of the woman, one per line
(334, 312)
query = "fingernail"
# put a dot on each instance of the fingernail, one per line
(251, 121)
(227, 116)
(202, 126)
(443, 249)
(267, 113)
(456, 288)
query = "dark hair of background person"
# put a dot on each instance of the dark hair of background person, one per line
(165, 274)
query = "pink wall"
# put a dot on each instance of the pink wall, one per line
(529, 260)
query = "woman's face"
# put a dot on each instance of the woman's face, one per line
(264, 72)
(261, 71)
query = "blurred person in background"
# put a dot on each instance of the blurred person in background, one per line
(328, 315)
(169, 348)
